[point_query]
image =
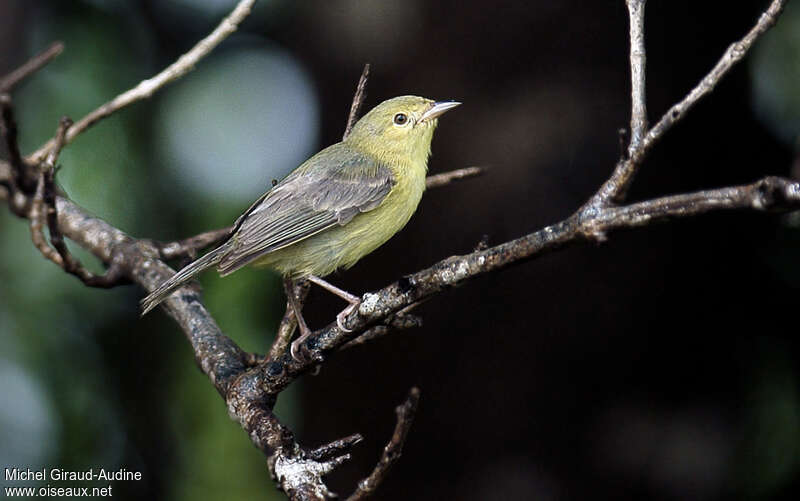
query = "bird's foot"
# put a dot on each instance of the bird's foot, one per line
(341, 318)
(296, 350)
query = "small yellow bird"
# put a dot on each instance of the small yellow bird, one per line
(337, 207)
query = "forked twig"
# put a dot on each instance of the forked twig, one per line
(391, 453)
(358, 101)
(31, 66)
(44, 209)
(283, 337)
(189, 247)
(8, 129)
(448, 177)
(615, 188)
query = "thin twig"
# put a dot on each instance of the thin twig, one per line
(767, 194)
(8, 128)
(735, 52)
(18, 203)
(61, 133)
(190, 246)
(444, 178)
(31, 66)
(614, 189)
(401, 320)
(37, 218)
(146, 88)
(358, 101)
(638, 59)
(335, 448)
(393, 450)
(283, 336)
(41, 211)
(44, 208)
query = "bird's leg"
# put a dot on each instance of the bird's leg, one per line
(288, 286)
(353, 300)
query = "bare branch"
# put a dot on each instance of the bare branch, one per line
(401, 320)
(638, 59)
(8, 129)
(60, 140)
(190, 246)
(615, 188)
(735, 53)
(393, 450)
(146, 88)
(768, 194)
(335, 448)
(250, 389)
(43, 208)
(283, 336)
(114, 275)
(34, 64)
(298, 472)
(18, 202)
(592, 224)
(37, 219)
(358, 101)
(448, 177)
(45, 193)
(217, 355)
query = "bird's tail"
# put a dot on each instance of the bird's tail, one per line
(183, 276)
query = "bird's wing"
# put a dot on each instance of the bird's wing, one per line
(319, 195)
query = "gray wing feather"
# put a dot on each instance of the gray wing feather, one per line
(310, 200)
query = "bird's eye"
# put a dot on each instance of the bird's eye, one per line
(400, 119)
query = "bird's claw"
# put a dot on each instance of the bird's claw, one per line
(340, 322)
(294, 350)
(342, 316)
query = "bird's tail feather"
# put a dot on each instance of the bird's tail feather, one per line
(183, 276)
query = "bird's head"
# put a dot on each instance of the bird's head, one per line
(399, 128)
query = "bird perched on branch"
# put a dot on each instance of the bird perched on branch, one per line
(337, 207)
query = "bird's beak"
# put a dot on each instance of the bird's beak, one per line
(437, 109)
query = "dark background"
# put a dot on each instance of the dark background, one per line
(662, 364)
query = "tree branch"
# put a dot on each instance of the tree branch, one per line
(283, 336)
(146, 88)
(401, 320)
(448, 177)
(31, 66)
(768, 194)
(735, 53)
(638, 59)
(393, 450)
(615, 188)
(189, 247)
(250, 391)
(358, 101)
(8, 129)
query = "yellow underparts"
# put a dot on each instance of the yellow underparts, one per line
(343, 246)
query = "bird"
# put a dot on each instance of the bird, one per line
(335, 208)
